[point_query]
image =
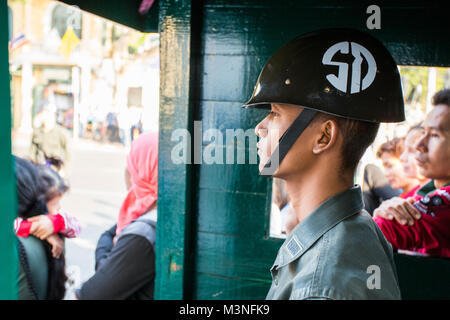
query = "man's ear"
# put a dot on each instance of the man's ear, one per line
(326, 137)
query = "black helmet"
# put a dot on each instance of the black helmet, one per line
(343, 72)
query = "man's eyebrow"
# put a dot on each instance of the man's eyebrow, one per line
(437, 128)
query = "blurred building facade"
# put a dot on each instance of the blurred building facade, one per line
(95, 72)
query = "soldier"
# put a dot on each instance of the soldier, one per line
(327, 92)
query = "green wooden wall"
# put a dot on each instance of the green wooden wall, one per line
(423, 278)
(8, 253)
(212, 232)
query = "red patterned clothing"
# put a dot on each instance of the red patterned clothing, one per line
(65, 225)
(431, 233)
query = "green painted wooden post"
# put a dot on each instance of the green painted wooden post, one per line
(174, 183)
(8, 253)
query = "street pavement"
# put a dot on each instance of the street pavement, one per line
(97, 188)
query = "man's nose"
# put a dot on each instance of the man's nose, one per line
(420, 145)
(260, 130)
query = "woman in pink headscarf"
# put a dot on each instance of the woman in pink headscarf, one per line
(125, 267)
(141, 178)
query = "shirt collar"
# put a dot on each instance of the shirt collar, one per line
(428, 187)
(323, 218)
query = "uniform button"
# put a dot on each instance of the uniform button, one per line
(276, 280)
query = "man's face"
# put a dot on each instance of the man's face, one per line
(433, 147)
(271, 128)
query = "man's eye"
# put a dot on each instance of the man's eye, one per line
(273, 114)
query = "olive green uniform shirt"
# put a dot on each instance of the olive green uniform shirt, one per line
(337, 252)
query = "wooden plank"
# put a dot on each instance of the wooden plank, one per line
(174, 181)
(423, 277)
(243, 28)
(234, 178)
(212, 286)
(232, 212)
(8, 250)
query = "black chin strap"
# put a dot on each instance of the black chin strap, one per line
(287, 140)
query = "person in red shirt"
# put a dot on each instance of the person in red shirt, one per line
(421, 223)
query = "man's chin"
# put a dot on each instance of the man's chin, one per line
(422, 170)
(268, 171)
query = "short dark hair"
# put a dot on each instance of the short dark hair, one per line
(358, 136)
(441, 97)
